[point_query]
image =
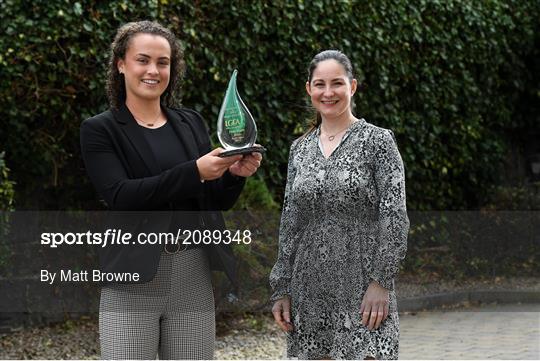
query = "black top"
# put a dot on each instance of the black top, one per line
(169, 151)
(167, 148)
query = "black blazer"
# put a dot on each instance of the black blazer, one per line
(126, 175)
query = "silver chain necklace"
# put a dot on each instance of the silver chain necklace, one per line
(332, 137)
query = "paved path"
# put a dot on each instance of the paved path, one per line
(490, 332)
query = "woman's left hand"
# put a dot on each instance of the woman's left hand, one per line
(246, 166)
(374, 307)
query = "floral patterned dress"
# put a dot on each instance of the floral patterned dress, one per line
(344, 224)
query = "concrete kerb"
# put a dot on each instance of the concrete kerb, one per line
(440, 300)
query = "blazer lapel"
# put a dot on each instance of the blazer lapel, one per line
(131, 129)
(184, 132)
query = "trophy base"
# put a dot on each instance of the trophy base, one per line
(248, 150)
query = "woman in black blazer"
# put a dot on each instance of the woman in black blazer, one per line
(145, 155)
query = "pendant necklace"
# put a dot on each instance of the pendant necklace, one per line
(151, 124)
(332, 137)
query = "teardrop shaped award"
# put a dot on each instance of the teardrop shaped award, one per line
(236, 127)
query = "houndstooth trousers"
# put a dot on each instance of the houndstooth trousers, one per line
(171, 316)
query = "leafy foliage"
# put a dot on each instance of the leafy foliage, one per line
(6, 204)
(451, 78)
(6, 186)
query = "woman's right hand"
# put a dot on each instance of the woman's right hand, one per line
(211, 166)
(282, 313)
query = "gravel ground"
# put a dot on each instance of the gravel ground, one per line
(69, 340)
(266, 342)
(248, 338)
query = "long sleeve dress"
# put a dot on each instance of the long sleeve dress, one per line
(344, 224)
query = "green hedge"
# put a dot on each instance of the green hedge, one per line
(6, 204)
(451, 78)
(7, 193)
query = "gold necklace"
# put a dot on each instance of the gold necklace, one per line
(151, 124)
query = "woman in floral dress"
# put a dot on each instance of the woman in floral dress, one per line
(343, 229)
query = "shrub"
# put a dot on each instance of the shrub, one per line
(7, 193)
(6, 205)
(449, 77)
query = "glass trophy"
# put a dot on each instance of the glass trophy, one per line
(236, 127)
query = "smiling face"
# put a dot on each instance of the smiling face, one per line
(146, 67)
(331, 90)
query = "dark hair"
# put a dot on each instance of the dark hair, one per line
(320, 57)
(116, 87)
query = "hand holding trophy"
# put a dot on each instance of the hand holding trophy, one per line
(237, 130)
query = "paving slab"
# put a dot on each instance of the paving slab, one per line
(488, 332)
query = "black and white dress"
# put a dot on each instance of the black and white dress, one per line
(344, 224)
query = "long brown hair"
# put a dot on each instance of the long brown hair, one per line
(116, 87)
(320, 57)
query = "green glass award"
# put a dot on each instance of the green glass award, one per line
(236, 127)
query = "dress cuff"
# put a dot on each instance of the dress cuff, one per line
(280, 291)
(383, 280)
(279, 295)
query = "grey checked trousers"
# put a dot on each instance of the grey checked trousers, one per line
(172, 316)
